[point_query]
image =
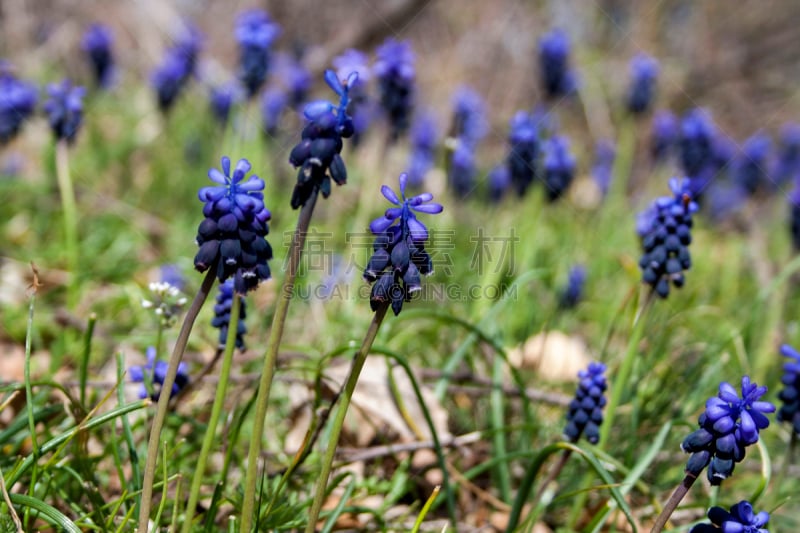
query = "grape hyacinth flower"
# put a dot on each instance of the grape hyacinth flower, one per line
(603, 168)
(665, 230)
(663, 135)
(556, 77)
(794, 214)
(585, 412)
(740, 519)
(64, 109)
(423, 149)
(96, 44)
(222, 315)
(641, 93)
(751, 167)
(524, 140)
(727, 426)
(153, 373)
(232, 236)
(295, 77)
(499, 182)
(17, 103)
(177, 68)
(461, 172)
(573, 293)
(559, 167)
(166, 301)
(361, 107)
(399, 256)
(221, 99)
(317, 155)
(790, 394)
(787, 164)
(273, 103)
(696, 141)
(255, 33)
(394, 68)
(469, 116)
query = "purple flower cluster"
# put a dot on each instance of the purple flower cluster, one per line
(152, 375)
(177, 67)
(790, 394)
(641, 93)
(394, 69)
(663, 135)
(255, 33)
(469, 126)
(740, 519)
(399, 257)
(232, 235)
(559, 167)
(96, 44)
(585, 412)
(317, 155)
(64, 109)
(727, 426)
(222, 315)
(524, 151)
(557, 79)
(17, 103)
(573, 292)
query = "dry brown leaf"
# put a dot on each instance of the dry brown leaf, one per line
(554, 355)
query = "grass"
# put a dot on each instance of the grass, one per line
(135, 178)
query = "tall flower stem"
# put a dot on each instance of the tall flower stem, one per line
(672, 504)
(338, 422)
(163, 399)
(69, 209)
(270, 358)
(556, 470)
(216, 411)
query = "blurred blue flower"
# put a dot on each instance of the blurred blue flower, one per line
(423, 148)
(787, 162)
(295, 77)
(399, 256)
(524, 151)
(255, 33)
(222, 315)
(499, 182)
(585, 414)
(644, 74)
(696, 141)
(573, 292)
(558, 80)
(274, 102)
(740, 519)
(317, 155)
(96, 44)
(790, 394)
(751, 165)
(177, 67)
(232, 236)
(17, 103)
(172, 275)
(64, 109)
(727, 426)
(394, 68)
(461, 172)
(663, 135)
(559, 167)
(469, 116)
(794, 214)
(603, 169)
(221, 100)
(665, 230)
(153, 373)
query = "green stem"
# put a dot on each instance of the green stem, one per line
(216, 411)
(270, 358)
(70, 219)
(669, 508)
(163, 400)
(338, 422)
(562, 461)
(136, 473)
(27, 370)
(87, 351)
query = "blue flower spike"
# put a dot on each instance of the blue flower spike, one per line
(740, 519)
(399, 256)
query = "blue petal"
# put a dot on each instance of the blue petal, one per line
(226, 165)
(403, 182)
(136, 374)
(379, 225)
(216, 176)
(242, 167)
(390, 195)
(728, 393)
(393, 212)
(253, 184)
(417, 230)
(333, 82)
(431, 209)
(316, 109)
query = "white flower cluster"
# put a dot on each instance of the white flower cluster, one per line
(166, 301)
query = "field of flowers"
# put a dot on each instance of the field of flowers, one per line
(424, 267)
